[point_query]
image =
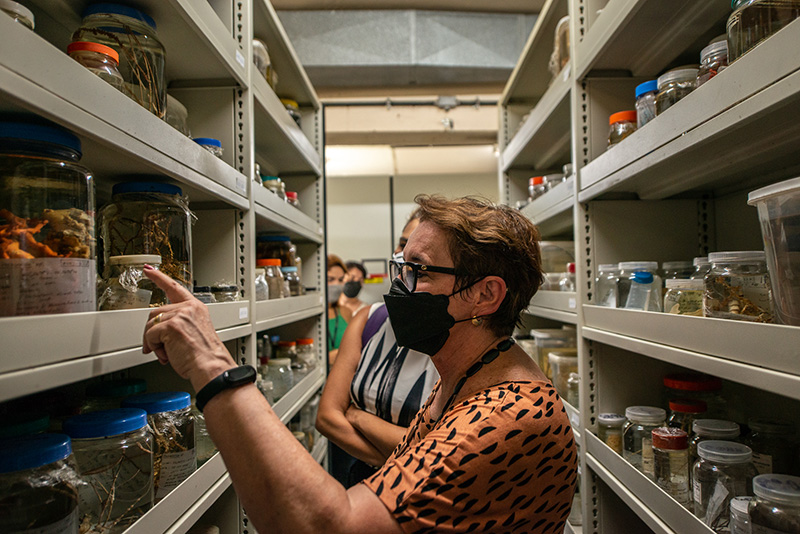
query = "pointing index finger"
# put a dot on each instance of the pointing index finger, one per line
(175, 292)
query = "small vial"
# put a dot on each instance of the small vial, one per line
(609, 430)
(671, 462)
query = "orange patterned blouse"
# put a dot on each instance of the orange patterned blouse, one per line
(503, 460)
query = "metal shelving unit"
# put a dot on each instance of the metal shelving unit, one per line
(673, 190)
(210, 70)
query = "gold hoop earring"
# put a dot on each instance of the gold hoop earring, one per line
(477, 321)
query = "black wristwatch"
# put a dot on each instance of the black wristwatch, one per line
(232, 378)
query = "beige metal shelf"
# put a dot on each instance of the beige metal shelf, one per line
(552, 212)
(275, 215)
(278, 312)
(291, 403)
(556, 305)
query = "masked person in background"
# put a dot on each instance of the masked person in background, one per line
(352, 288)
(373, 391)
(338, 317)
(491, 450)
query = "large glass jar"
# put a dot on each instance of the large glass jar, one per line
(637, 436)
(752, 21)
(225, 292)
(279, 247)
(609, 430)
(683, 412)
(293, 109)
(114, 454)
(174, 456)
(273, 276)
(724, 471)
(673, 86)
(47, 260)
(306, 353)
(606, 285)
(561, 365)
(126, 286)
(711, 429)
(646, 102)
(262, 289)
(673, 270)
(671, 462)
(149, 218)
(38, 485)
(291, 277)
(713, 60)
(774, 445)
(684, 297)
(536, 187)
(100, 60)
(696, 386)
(777, 506)
(281, 376)
(18, 12)
(142, 59)
(627, 269)
(109, 394)
(738, 287)
(701, 267)
(620, 125)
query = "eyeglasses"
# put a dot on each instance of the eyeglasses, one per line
(409, 272)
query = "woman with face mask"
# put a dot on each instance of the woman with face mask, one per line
(352, 288)
(338, 316)
(491, 450)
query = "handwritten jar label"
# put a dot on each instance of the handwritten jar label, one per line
(47, 285)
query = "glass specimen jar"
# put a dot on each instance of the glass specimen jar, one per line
(109, 394)
(100, 60)
(724, 470)
(536, 187)
(277, 247)
(738, 287)
(271, 182)
(609, 430)
(774, 445)
(281, 376)
(637, 436)
(286, 349)
(169, 415)
(142, 61)
(212, 145)
(561, 365)
(621, 125)
(114, 455)
(752, 21)
(306, 353)
(293, 108)
(291, 198)
(711, 429)
(560, 56)
(273, 276)
(126, 286)
(262, 289)
(38, 485)
(266, 388)
(646, 102)
(260, 57)
(626, 273)
(204, 294)
(177, 116)
(561, 340)
(777, 505)
(149, 218)
(606, 285)
(572, 395)
(683, 412)
(713, 60)
(673, 86)
(740, 515)
(203, 444)
(701, 267)
(18, 12)
(291, 277)
(225, 292)
(677, 270)
(23, 424)
(696, 386)
(47, 259)
(684, 297)
(671, 462)
(567, 280)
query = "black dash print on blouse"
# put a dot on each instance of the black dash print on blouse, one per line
(426, 512)
(397, 480)
(533, 450)
(548, 446)
(486, 430)
(504, 496)
(525, 481)
(467, 483)
(539, 401)
(529, 439)
(422, 502)
(562, 488)
(539, 414)
(454, 475)
(489, 524)
(442, 519)
(490, 449)
(541, 508)
(472, 409)
(545, 470)
(467, 458)
(513, 433)
(498, 475)
(436, 472)
(451, 435)
(429, 486)
(549, 413)
(460, 497)
(539, 523)
(518, 475)
(458, 520)
(528, 503)
(475, 418)
(499, 459)
(495, 487)
(482, 510)
(403, 519)
(400, 497)
(543, 461)
(547, 490)
(545, 431)
(509, 520)
(421, 464)
(380, 489)
(558, 455)
(507, 406)
(470, 503)
(518, 500)
(443, 488)
(514, 459)
(522, 413)
(537, 389)
(473, 527)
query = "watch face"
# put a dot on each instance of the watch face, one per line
(240, 375)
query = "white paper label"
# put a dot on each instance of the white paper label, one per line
(717, 504)
(243, 313)
(698, 493)
(763, 463)
(175, 468)
(239, 58)
(241, 184)
(68, 525)
(647, 457)
(572, 304)
(47, 285)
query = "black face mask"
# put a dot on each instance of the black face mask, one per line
(352, 289)
(420, 321)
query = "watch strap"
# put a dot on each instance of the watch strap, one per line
(232, 378)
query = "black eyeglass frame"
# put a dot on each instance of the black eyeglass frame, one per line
(397, 268)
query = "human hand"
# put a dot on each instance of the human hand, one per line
(181, 333)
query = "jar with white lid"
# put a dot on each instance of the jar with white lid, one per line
(109, 394)
(711, 429)
(671, 462)
(114, 454)
(673, 86)
(609, 430)
(620, 125)
(177, 116)
(713, 60)
(169, 415)
(126, 287)
(753, 21)
(724, 471)
(680, 270)
(637, 436)
(281, 376)
(39, 482)
(100, 60)
(606, 285)
(701, 267)
(774, 444)
(18, 12)
(684, 297)
(777, 505)
(572, 395)
(740, 515)
(646, 102)
(212, 145)
(626, 273)
(738, 287)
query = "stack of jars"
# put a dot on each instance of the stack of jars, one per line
(284, 363)
(284, 265)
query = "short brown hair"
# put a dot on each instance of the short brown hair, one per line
(489, 239)
(335, 261)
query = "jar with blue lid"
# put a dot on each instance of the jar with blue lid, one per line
(169, 415)
(38, 485)
(142, 58)
(212, 145)
(114, 455)
(646, 102)
(149, 217)
(47, 207)
(109, 394)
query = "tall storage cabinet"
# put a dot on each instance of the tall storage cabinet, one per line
(675, 189)
(210, 70)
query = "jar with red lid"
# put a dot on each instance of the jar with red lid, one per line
(697, 386)
(671, 462)
(621, 125)
(683, 412)
(99, 59)
(291, 198)
(536, 187)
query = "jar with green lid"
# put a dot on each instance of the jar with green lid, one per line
(696, 386)
(711, 429)
(609, 430)
(724, 470)
(169, 415)
(753, 21)
(777, 506)
(142, 58)
(684, 297)
(674, 86)
(18, 12)
(109, 394)
(637, 436)
(738, 287)
(127, 287)
(774, 444)
(149, 218)
(38, 485)
(683, 412)
(47, 259)
(114, 455)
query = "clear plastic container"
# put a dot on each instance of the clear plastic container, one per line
(567, 281)
(286, 349)
(177, 116)
(212, 145)
(621, 125)
(109, 394)
(38, 481)
(684, 297)
(266, 388)
(671, 462)
(18, 12)
(711, 429)
(724, 471)
(681, 270)
(701, 267)
(308, 418)
(774, 445)
(738, 287)
(273, 277)
(713, 60)
(47, 213)
(644, 293)
(306, 352)
(779, 212)
(696, 386)
(291, 277)
(560, 56)
(637, 436)
(132, 34)
(202, 440)
(561, 365)
(646, 102)
(556, 254)
(740, 515)
(777, 505)
(281, 376)
(562, 340)
(626, 273)
(683, 412)
(753, 21)
(606, 285)
(609, 430)
(260, 57)
(293, 108)
(169, 415)
(673, 86)
(536, 187)
(126, 286)
(149, 218)
(101, 60)
(114, 454)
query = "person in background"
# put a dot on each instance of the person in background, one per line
(352, 288)
(338, 317)
(373, 391)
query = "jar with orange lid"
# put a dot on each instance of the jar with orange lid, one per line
(306, 352)
(621, 125)
(272, 276)
(101, 60)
